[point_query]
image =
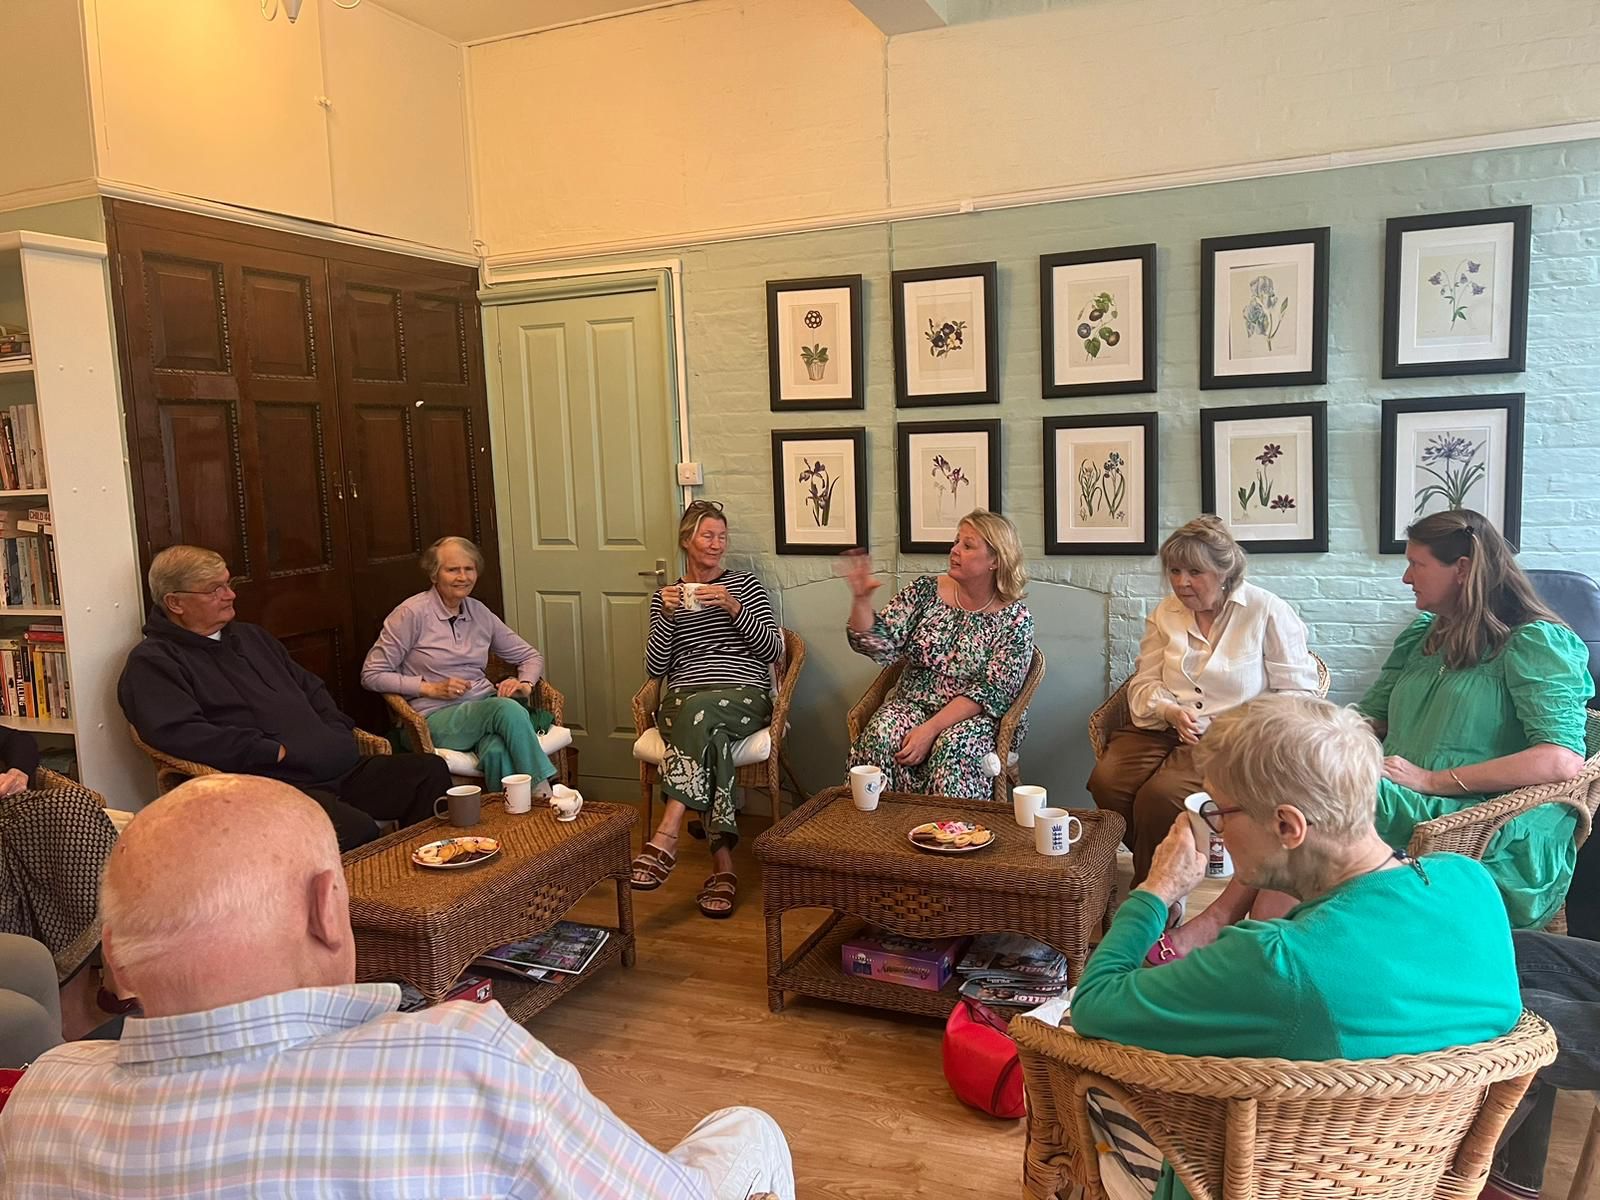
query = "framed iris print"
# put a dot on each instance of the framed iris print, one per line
(819, 490)
(945, 346)
(1264, 309)
(1264, 471)
(1455, 293)
(1450, 452)
(1097, 318)
(945, 470)
(1100, 493)
(814, 343)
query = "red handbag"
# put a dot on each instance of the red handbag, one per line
(9, 1078)
(980, 1061)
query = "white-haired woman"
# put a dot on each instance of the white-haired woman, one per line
(967, 640)
(1211, 645)
(1357, 969)
(434, 650)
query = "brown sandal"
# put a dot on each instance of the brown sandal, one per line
(651, 868)
(723, 887)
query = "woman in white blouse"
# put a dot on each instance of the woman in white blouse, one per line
(1216, 642)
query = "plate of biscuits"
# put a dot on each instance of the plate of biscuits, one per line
(951, 837)
(452, 853)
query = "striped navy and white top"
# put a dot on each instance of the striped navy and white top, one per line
(707, 648)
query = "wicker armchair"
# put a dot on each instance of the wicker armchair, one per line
(759, 757)
(1005, 736)
(557, 742)
(1113, 714)
(1414, 1126)
(171, 771)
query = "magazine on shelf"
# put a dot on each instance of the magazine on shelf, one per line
(1012, 956)
(1013, 993)
(568, 949)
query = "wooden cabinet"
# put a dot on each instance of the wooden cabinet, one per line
(313, 412)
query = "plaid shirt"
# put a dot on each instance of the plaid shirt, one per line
(323, 1092)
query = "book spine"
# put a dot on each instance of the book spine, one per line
(52, 571)
(8, 451)
(19, 426)
(35, 448)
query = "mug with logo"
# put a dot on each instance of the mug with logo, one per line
(1055, 830)
(866, 785)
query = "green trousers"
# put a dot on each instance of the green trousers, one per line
(501, 732)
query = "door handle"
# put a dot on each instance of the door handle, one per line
(660, 573)
(355, 494)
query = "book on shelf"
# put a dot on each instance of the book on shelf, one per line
(568, 949)
(33, 672)
(14, 343)
(28, 569)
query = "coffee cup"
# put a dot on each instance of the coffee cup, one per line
(566, 802)
(1026, 800)
(519, 792)
(691, 602)
(465, 805)
(866, 785)
(1055, 830)
(1219, 863)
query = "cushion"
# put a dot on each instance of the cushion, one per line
(756, 748)
(465, 763)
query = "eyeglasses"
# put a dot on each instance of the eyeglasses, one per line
(230, 584)
(703, 506)
(1212, 813)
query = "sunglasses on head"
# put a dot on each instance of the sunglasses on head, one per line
(703, 506)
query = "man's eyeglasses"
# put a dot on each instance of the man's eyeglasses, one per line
(230, 584)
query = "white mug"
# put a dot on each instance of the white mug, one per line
(690, 602)
(519, 792)
(1026, 801)
(566, 802)
(866, 785)
(1053, 831)
(1219, 863)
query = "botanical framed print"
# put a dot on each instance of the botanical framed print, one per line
(1097, 321)
(1455, 293)
(1100, 494)
(1450, 452)
(945, 346)
(1264, 471)
(819, 490)
(814, 343)
(1264, 309)
(945, 470)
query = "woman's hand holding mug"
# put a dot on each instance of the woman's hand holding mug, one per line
(671, 598)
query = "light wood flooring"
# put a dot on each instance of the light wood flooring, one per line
(859, 1092)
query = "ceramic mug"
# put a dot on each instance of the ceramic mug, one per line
(691, 602)
(1219, 863)
(866, 785)
(1026, 801)
(465, 805)
(519, 792)
(1053, 831)
(566, 802)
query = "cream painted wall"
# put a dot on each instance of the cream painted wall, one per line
(45, 99)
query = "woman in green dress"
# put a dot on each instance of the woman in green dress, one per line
(1483, 693)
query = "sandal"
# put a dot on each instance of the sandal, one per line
(721, 888)
(651, 867)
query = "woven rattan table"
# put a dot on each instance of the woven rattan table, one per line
(825, 854)
(425, 926)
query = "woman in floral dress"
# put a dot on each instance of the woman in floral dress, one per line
(967, 640)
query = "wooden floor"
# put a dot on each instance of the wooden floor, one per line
(859, 1092)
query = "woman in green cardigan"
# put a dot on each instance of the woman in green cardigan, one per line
(1357, 968)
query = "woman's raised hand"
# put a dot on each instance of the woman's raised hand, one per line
(856, 567)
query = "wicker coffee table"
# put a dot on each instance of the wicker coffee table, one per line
(825, 854)
(425, 926)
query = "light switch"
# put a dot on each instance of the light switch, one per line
(690, 475)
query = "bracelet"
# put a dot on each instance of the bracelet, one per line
(1452, 773)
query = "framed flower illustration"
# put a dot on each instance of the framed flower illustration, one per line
(1100, 492)
(946, 469)
(1264, 309)
(1097, 318)
(945, 345)
(814, 343)
(1450, 452)
(1264, 471)
(1455, 293)
(819, 490)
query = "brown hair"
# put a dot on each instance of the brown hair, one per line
(1010, 576)
(1205, 544)
(1496, 598)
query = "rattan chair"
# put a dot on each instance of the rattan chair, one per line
(1113, 714)
(171, 770)
(1005, 736)
(759, 757)
(1414, 1126)
(556, 742)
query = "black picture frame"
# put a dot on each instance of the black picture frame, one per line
(1514, 405)
(1211, 419)
(994, 464)
(1395, 258)
(1056, 540)
(857, 437)
(1052, 388)
(987, 274)
(1211, 377)
(852, 286)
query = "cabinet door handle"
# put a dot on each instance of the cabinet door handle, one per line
(338, 489)
(355, 493)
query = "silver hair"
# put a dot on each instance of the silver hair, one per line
(176, 567)
(430, 556)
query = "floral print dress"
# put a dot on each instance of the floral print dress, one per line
(949, 652)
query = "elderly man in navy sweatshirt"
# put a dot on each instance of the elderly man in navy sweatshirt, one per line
(204, 687)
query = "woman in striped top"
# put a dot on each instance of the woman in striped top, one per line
(713, 635)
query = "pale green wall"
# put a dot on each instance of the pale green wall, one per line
(70, 218)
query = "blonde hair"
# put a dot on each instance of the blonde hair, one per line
(1205, 544)
(178, 566)
(1010, 572)
(1297, 750)
(430, 556)
(1496, 598)
(698, 512)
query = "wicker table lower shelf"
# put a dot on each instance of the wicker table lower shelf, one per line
(816, 970)
(522, 998)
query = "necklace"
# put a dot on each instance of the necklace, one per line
(980, 607)
(1399, 856)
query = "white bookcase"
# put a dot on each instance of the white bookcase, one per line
(57, 288)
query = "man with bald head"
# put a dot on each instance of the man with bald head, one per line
(260, 1069)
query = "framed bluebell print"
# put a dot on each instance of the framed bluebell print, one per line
(1450, 452)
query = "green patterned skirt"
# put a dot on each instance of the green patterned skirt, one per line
(701, 727)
